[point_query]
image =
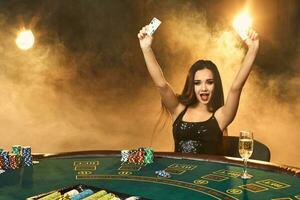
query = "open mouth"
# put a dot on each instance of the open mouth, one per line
(204, 97)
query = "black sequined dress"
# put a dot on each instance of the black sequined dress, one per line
(197, 137)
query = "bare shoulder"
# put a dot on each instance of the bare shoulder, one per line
(180, 107)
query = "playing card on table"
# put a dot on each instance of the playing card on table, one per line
(154, 24)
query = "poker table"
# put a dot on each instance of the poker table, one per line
(192, 177)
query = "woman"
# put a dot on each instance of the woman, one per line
(199, 114)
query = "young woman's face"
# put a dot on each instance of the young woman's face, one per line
(204, 85)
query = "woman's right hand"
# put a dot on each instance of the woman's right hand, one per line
(144, 38)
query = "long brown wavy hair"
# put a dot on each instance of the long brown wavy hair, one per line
(188, 96)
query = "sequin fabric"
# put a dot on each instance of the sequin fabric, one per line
(197, 137)
(189, 146)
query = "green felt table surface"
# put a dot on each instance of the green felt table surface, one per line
(190, 178)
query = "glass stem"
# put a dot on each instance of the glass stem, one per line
(245, 166)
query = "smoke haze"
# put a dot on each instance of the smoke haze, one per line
(84, 85)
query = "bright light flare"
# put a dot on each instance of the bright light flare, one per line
(242, 23)
(25, 39)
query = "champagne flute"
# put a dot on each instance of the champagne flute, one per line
(245, 150)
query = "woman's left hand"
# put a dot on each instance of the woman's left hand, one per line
(252, 41)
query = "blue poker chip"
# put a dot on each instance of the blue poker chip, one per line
(27, 161)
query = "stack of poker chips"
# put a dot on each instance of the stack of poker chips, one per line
(58, 196)
(4, 163)
(102, 194)
(1, 162)
(70, 194)
(26, 156)
(17, 158)
(13, 161)
(148, 156)
(86, 194)
(83, 194)
(139, 156)
(16, 150)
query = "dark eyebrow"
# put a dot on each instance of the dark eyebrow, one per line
(210, 79)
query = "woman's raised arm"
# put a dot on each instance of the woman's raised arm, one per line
(226, 113)
(166, 92)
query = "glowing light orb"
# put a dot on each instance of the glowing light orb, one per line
(25, 39)
(242, 23)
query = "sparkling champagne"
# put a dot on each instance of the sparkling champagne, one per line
(245, 148)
